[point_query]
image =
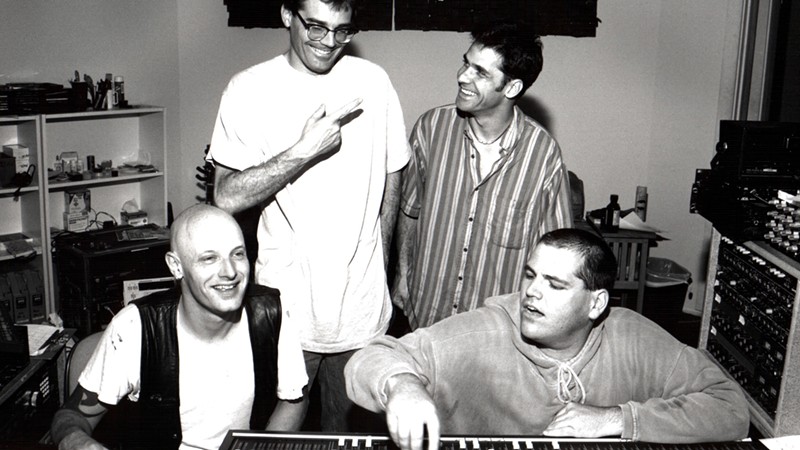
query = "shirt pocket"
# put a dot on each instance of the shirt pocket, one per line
(507, 225)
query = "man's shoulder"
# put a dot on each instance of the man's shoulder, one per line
(444, 113)
(262, 302)
(260, 294)
(449, 109)
(254, 289)
(529, 122)
(626, 323)
(361, 65)
(494, 317)
(127, 319)
(165, 297)
(257, 72)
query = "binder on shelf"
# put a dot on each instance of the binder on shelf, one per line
(21, 305)
(6, 298)
(33, 280)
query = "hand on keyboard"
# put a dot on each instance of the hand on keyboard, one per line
(409, 410)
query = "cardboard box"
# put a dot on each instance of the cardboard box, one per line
(20, 154)
(77, 201)
(76, 221)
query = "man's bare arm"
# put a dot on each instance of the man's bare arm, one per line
(406, 235)
(74, 423)
(236, 191)
(288, 415)
(391, 202)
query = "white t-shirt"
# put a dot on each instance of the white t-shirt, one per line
(320, 240)
(215, 380)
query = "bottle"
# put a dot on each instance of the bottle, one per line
(119, 91)
(612, 214)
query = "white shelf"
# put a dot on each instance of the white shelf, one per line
(121, 179)
(12, 191)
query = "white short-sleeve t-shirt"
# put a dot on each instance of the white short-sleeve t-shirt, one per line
(216, 380)
(320, 239)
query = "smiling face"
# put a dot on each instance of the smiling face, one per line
(557, 310)
(482, 86)
(315, 57)
(209, 258)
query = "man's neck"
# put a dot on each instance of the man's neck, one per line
(570, 350)
(203, 324)
(488, 128)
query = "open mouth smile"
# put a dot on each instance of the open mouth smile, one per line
(466, 93)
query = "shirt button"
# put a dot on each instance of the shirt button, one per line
(465, 249)
(470, 219)
(460, 278)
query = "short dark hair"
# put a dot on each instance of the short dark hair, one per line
(518, 45)
(599, 267)
(336, 5)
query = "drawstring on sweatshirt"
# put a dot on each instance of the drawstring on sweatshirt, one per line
(567, 377)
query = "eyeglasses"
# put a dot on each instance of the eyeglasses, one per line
(318, 32)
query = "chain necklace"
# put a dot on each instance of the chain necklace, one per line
(475, 135)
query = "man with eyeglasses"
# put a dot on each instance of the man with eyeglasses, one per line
(315, 139)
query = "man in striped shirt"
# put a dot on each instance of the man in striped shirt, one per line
(484, 183)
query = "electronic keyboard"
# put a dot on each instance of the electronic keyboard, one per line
(263, 440)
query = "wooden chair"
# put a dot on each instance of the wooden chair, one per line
(631, 248)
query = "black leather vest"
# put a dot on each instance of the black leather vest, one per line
(159, 400)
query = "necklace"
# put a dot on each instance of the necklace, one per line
(475, 135)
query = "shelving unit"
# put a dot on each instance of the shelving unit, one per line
(22, 218)
(127, 137)
(22, 214)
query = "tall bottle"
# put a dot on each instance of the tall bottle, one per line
(119, 92)
(612, 215)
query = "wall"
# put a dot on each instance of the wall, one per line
(636, 105)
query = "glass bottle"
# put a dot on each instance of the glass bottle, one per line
(612, 214)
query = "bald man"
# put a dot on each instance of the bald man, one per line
(228, 335)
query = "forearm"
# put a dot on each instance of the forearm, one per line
(68, 421)
(287, 416)
(692, 418)
(406, 236)
(235, 191)
(698, 403)
(389, 207)
(367, 372)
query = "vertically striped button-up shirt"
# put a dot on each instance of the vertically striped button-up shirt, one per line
(474, 234)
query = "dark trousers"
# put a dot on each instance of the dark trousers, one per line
(337, 413)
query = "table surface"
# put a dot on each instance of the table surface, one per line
(622, 234)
